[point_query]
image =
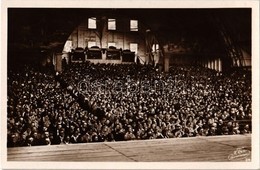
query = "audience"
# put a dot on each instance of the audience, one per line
(113, 102)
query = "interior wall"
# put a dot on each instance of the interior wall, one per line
(122, 39)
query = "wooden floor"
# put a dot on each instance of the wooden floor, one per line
(210, 149)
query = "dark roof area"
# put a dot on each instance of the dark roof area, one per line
(50, 27)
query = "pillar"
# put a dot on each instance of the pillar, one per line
(212, 65)
(58, 62)
(215, 64)
(219, 65)
(66, 56)
(208, 64)
(166, 63)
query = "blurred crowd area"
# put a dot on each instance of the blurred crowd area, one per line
(119, 102)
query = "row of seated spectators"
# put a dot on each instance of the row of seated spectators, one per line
(107, 102)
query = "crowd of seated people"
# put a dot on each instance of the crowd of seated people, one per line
(113, 102)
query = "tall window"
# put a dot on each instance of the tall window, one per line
(92, 23)
(133, 25)
(134, 47)
(111, 24)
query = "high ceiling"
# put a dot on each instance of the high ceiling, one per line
(39, 28)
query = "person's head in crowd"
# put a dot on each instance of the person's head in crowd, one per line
(46, 134)
(30, 141)
(62, 132)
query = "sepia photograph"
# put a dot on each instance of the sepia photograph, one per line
(130, 86)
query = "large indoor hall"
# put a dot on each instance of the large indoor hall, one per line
(129, 85)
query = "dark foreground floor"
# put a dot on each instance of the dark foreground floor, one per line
(210, 149)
